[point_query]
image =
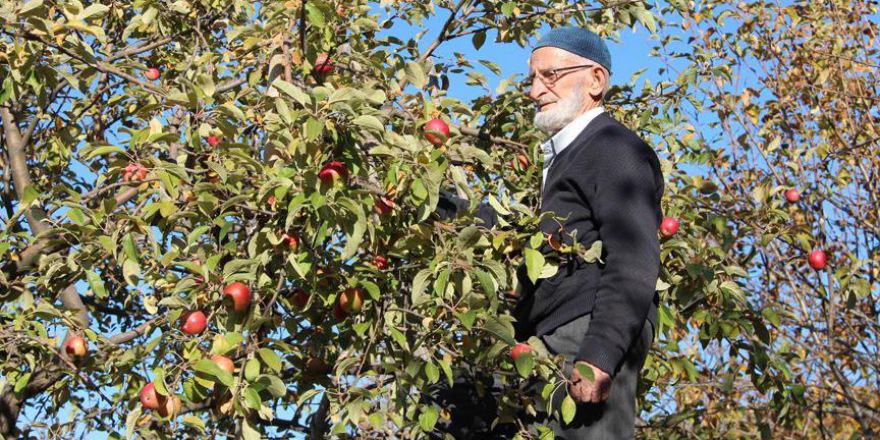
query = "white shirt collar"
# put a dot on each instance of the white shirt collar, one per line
(564, 137)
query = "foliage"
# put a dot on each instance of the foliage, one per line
(751, 342)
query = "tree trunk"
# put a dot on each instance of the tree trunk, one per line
(10, 407)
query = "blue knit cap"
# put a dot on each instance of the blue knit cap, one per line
(578, 41)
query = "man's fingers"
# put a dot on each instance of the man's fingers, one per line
(606, 393)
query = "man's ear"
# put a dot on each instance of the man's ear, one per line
(598, 79)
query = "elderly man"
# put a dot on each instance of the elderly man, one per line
(606, 184)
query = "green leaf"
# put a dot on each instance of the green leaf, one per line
(431, 372)
(270, 358)
(159, 382)
(593, 254)
(96, 284)
(30, 194)
(274, 384)
(252, 369)
(131, 271)
(478, 39)
(195, 422)
(353, 241)
(487, 282)
(428, 418)
(131, 421)
(252, 398)
(206, 84)
(646, 18)
(103, 150)
(76, 215)
(208, 367)
(534, 264)
(316, 16)
(371, 289)
(502, 329)
(447, 370)
(293, 91)
(248, 431)
(585, 371)
(416, 74)
(369, 122)
(568, 409)
(129, 247)
(420, 281)
(524, 364)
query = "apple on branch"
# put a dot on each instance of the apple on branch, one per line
(152, 74)
(323, 64)
(150, 399)
(352, 300)
(380, 262)
(519, 350)
(76, 346)
(668, 227)
(817, 259)
(194, 322)
(436, 131)
(332, 172)
(520, 162)
(224, 363)
(134, 172)
(384, 205)
(170, 407)
(239, 294)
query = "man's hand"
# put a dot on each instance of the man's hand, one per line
(590, 391)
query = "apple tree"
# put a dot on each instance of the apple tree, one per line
(220, 216)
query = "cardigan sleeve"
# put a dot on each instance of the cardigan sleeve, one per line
(625, 199)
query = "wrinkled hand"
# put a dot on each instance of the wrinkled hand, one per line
(584, 390)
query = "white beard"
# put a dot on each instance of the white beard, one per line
(565, 111)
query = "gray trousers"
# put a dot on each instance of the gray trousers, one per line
(473, 405)
(614, 418)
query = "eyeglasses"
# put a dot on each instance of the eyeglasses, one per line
(550, 76)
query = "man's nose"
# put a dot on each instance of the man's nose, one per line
(538, 88)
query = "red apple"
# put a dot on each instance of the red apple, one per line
(384, 205)
(817, 259)
(339, 313)
(292, 241)
(792, 195)
(213, 140)
(323, 64)
(240, 295)
(271, 200)
(518, 350)
(134, 172)
(380, 262)
(520, 162)
(352, 300)
(300, 299)
(668, 227)
(194, 322)
(224, 363)
(170, 407)
(436, 131)
(152, 74)
(150, 399)
(76, 346)
(332, 172)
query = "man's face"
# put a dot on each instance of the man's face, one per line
(569, 95)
